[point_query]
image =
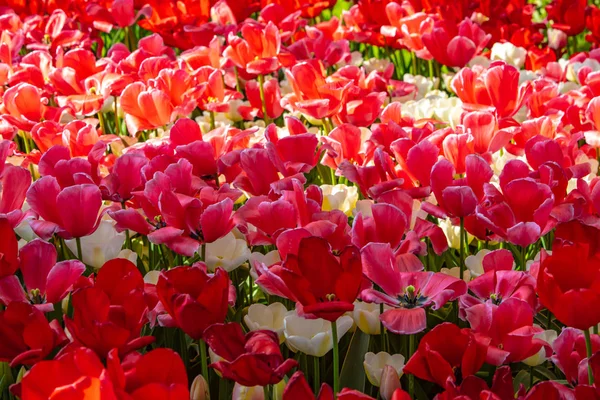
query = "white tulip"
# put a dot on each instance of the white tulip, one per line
(539, 358)
(339, 197)
(101, 246)
(227, 253)
(366, 317)
(474, 262)
(313, 336)
(269, 317)
(247, 393)
(453, 233)
(455, 272)
(509, 53)
(268, 259)
(375, 363)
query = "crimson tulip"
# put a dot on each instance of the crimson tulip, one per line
(443, 352)
(251, 360)
(47, 282)
(194, 299)
(74, 375)
(27, 337)
(325, 285)
(568, 285)
(9, 249)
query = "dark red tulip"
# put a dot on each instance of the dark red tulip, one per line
(9, 249)
(443, 352)
(324, 284)
(194, 299)
(111, 313)
(250, 360)
(26, 336)
(568, 285)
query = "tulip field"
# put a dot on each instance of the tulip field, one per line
(299, 199)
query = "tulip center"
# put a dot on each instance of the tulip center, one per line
(412, 298)
(496, 299)
(35, 296)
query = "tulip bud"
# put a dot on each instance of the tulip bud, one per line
(366, 317)
(375, 364)
(247, 393)
(389, 382)
(269, 317)
(199, 389)
(557, 39)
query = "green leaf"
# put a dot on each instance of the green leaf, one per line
(353, 374)
(522, 378)
(340, 6)
(545, 372)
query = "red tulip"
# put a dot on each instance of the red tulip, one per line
(409, 293)
(157, 375)
(111, 313)
(568, 15)
(570, 354)
(568, 284)
(297, 389)
(194, 299)
(18, 180)
(272, 97)
(26, 337)
(9, 249)
(70, 212)
(497, 286)
(315, 95)
(455, 46)
(251, 360)
(505, 93)
(77, 374)
(475, 388)
(126, 177)
(508, 328)
(445, 353)
(258, 50)
(325, 285)
(386, 225)
(47, 282)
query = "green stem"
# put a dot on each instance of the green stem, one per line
(79, 252)
(530, 377)
(317, 379)
(336, 358)
(588, 348)
(203, 359)
(462, 249)
(411, 377)
(523, 259)
(267, 391)
(117, 122)
(212, 120)
(261, 88)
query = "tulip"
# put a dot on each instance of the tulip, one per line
(269, 317)
(247, 393)
(313, 336)
(250, 360)
(227, 252)
(194, 299)
(9, 249)
(444, 351)
(390, 382)
(79, 373)
(200, 389)
(101, 246)
(339, 197)
(366, 317)
(27, 335)
(47, 282)
(375, 364)
(548, 336)
(325, 285)
(509, 53)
